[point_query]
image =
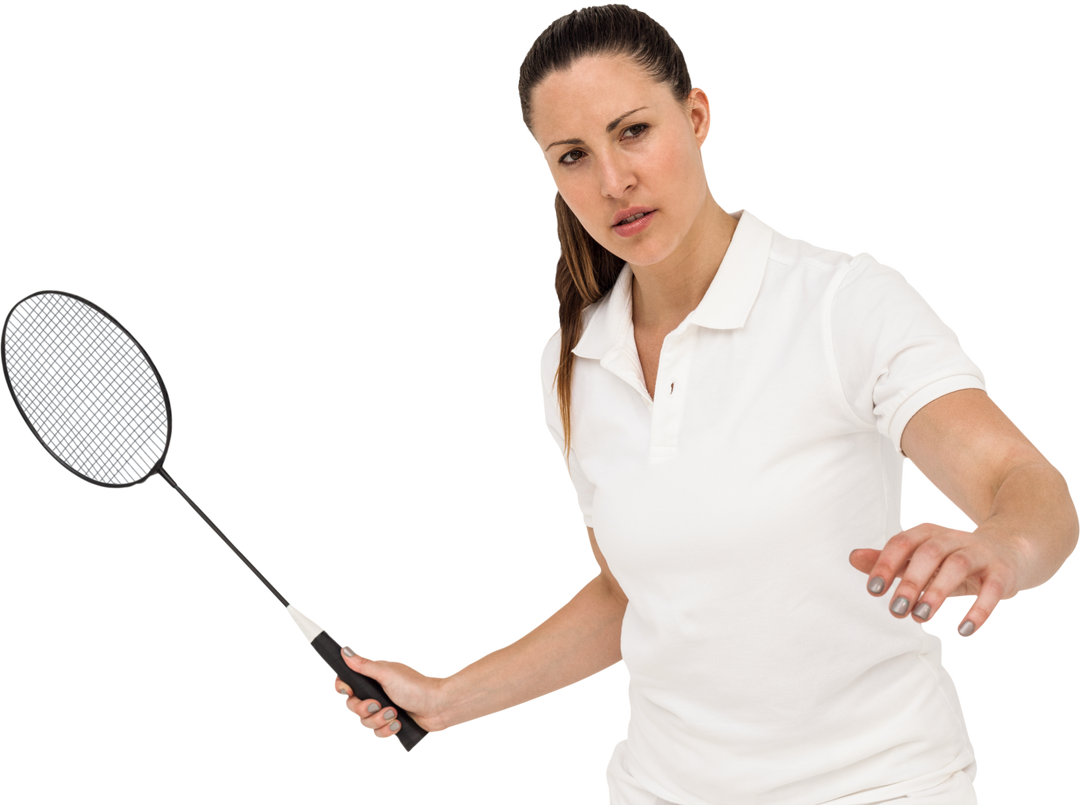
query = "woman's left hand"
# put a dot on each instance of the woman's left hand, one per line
(934, 563)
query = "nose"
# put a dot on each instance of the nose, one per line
(616, 175)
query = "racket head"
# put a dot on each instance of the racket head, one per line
(86, 389)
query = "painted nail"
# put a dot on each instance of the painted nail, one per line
(966, 628)
(876, 585)
(349, 652)
(373, 707)
(900, 606)
(389, 715)
(395, 726)
(922, 611)
(343, 691)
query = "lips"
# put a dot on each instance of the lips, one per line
(632, 213)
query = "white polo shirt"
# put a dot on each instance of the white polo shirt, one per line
(761, 671)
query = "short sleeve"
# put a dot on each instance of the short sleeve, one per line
(549, 365)
(893, 354)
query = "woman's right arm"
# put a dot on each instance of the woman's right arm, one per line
(579, 640)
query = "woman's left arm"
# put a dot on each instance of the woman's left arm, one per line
(1026, 521)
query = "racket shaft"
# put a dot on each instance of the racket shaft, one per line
(362, 686)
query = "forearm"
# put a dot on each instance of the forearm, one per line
(577, 641)
(1033, 504)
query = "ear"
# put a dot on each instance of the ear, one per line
(697, 103)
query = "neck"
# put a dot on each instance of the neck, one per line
(665, 293)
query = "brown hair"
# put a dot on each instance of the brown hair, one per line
(586, 271)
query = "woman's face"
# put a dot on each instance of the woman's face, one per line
(619, 146)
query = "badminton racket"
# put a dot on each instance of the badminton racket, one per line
(95, 401)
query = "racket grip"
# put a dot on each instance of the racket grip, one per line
(365, 687)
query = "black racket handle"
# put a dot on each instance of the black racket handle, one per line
(327, 648)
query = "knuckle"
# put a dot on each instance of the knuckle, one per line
(933, 549)
(901, 542)
(887, 570)
(961, 561)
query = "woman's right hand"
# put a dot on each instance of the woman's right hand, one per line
(418, 695)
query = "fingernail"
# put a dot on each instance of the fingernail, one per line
(876, 585)
(373, 707)
(349, 652)
(395, 726)
(343, 691)
(922, 611)
(966, 628)
(389, 715)
(900, 606)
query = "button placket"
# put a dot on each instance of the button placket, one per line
(670, 391)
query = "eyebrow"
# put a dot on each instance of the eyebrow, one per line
(610, 128)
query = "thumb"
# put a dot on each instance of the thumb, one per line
(864, 559)
(355, 661)
(379, 671)
(361, 666)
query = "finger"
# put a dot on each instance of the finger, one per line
(383, 722)
(877, 585)
(922, 569)
(991, 593)
(894, 559)
(365, 708)
(953, 574)
(341, 687)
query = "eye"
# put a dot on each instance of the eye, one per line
(570, 157)
(564, 161)
(635, 131)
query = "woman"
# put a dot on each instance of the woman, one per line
(734, 407)
(757, 672)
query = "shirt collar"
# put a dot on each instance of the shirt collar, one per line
(726, 303)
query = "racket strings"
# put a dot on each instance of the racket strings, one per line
(86, 388)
